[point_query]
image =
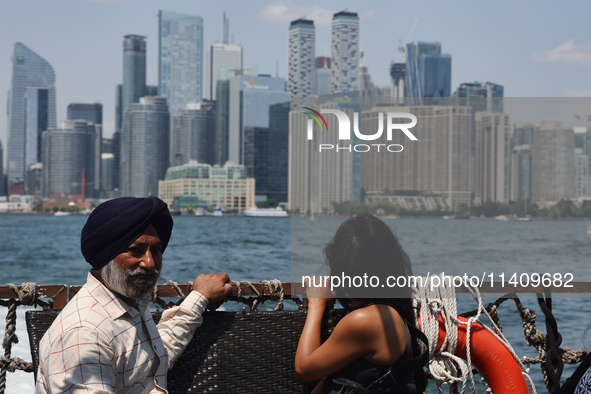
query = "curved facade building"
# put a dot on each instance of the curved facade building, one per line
(68, 151)
(31, 110)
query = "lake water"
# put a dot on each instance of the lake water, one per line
(46, 250)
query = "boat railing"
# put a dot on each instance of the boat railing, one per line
(243, 351)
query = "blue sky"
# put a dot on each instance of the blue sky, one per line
(534, 49)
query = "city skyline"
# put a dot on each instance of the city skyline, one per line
(535, 52)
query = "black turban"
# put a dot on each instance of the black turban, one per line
(117, 223)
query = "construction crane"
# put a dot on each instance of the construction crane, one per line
(402, 47)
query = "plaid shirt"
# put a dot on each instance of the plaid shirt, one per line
(99, 344)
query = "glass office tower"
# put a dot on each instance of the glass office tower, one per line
(428, 72)
(134, 70)
(32, 93)
(180, 59)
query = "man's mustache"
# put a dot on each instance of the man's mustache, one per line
(142, 272)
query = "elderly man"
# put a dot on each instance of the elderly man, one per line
(104, 340)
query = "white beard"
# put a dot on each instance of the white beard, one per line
(122, 281)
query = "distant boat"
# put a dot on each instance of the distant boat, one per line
(199, 212)
(217, 211)
(61, 213)
(254, 211)
(589, 233)
(523, 219)
(501, 217)
(449, 217)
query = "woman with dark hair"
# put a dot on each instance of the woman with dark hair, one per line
(374, 348)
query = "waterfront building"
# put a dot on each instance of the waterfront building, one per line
(31, 110)
(207, 186)
(107, 168)
(481, 96)
(145, 147)
(18, 203)
(301, 80)
(317, 179)
(222, 120)
(521, 173)
(134, 70)
(435, 164)
(427, 73)
(180, 59)
(553, 163)
(322, 76)
(427, 203)
(582, 179)
(220, 56)
(68, 159)
(193, 133)
(250, 97)
(492, 147)
(345, 52)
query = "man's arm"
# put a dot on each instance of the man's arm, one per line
(79, 361)
(178, 324)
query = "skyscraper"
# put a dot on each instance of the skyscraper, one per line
(222, 122)
(553, 163)
(180, 59)
(220, 56)
(31, 94)
(193, 134)
(2, 178)
(428, 72)
(90, 112)
(145, 144)
(250, 98)
(68, 152)
(301, 80)
(134, 70)
(345, 52)
(492, 147)
(481, 96)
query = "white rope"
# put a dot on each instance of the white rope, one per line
(430, 302)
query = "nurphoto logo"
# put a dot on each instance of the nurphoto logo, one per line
(344, 131)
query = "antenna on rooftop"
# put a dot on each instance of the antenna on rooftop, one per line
(226, 28)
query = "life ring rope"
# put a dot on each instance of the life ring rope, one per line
(437, 308)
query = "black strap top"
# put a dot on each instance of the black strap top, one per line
(366, 378)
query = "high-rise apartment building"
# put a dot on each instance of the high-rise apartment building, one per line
(398, 75)
(107, 160)
(553, 163)
(249, 101)
(427, 73)
(180, 59)
(345, 52)
(193, 134)
(492, 147)
(437, 163)
(301, 79)
(134, 70)
(220, 56)
(322, 76)
(68, 159)
(145, 141)
(582, 180)
(31, 110)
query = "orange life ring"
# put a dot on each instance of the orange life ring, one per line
(489, 356)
